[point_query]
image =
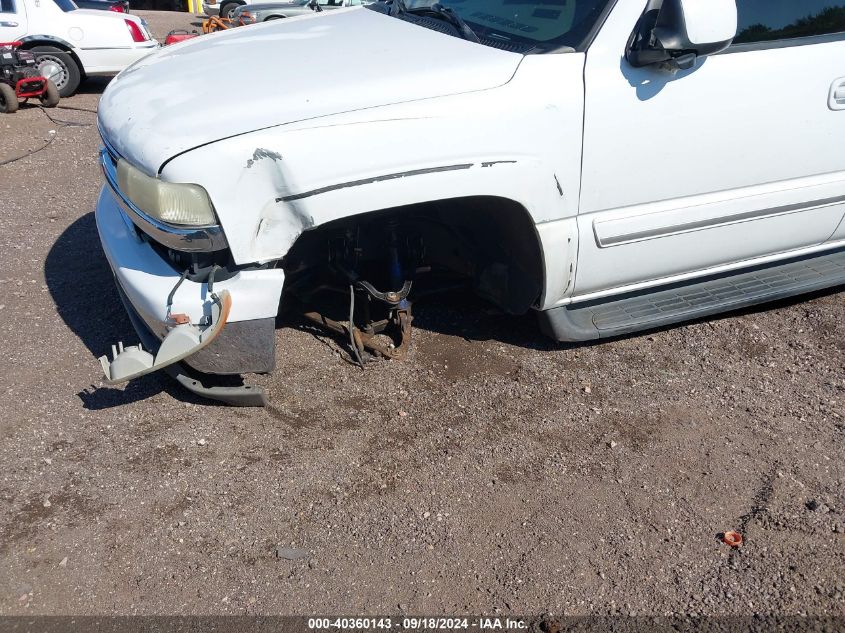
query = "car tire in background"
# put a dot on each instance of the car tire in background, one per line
(228, 8)
(50, 98)
(60, 67)
(8, 99)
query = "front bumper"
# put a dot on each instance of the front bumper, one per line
(246, 345)
(238, 396)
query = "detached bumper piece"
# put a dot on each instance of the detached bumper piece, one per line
(240, 396)
(184, 340)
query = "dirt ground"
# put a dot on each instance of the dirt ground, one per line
(493, 472)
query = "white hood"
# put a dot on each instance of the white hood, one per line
(249, 78)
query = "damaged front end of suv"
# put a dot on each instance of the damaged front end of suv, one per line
(345, 193)
(173, 270)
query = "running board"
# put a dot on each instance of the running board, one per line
(695, 299)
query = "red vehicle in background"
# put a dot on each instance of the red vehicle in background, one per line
(118, 6)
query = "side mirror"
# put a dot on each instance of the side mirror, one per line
(314, 6)
(672, 34)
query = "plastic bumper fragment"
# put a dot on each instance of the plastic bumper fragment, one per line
(182, 341)
(238, 396)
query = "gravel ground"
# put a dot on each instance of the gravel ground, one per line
(493, 472)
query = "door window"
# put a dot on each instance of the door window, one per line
(66, 5)
(7, 6)
(772, 20)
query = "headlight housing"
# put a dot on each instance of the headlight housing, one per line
(180, 204)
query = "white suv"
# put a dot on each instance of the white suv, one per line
(73, 43)
(614, 165)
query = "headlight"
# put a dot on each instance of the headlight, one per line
(173, 203)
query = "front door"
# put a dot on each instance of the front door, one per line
(736, 159)
(12, 20)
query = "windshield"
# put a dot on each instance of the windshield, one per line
(532, 24)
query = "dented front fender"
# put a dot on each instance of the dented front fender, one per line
(270, 185)
(278, 185)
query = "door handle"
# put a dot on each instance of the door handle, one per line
(9, 24)
(836, 101)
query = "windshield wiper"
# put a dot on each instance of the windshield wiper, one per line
(437, 11)
(397, 7)
(390, 7)
(448, 14)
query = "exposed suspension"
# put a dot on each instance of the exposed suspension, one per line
(379, 321)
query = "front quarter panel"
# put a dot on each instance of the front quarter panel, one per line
(521, 141)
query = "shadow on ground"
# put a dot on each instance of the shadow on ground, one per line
(94, 85)
(82, 286)
(472, 319)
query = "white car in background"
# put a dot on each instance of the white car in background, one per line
(268, 11)
(227, 8)
(72, 43)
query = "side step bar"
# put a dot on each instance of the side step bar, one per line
(699, 298)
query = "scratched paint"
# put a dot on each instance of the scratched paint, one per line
(261, 154)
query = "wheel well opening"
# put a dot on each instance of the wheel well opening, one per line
(487, 244)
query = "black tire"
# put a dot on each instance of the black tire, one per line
(227, 8)
(68, 76)
(50, 98)
(8, 99)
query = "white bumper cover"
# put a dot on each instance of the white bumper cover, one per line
(147, 279)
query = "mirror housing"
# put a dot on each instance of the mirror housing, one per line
(314, 6)
(673, 34)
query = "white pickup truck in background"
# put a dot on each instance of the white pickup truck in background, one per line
(72, 43)
(613, 165)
